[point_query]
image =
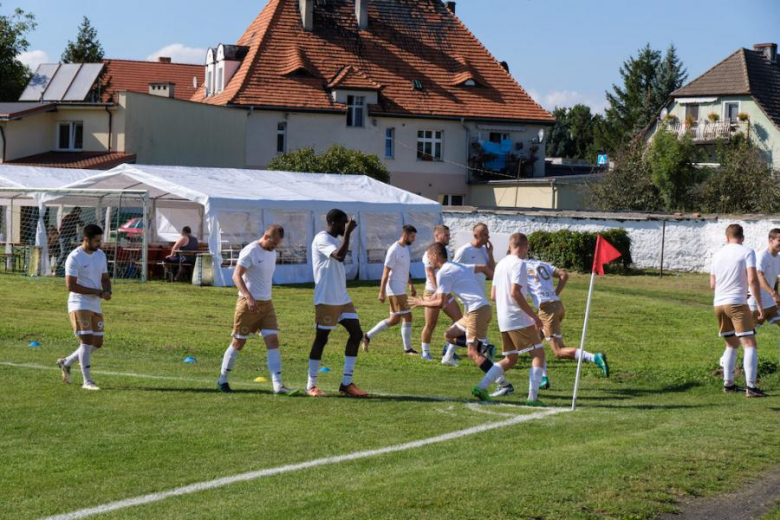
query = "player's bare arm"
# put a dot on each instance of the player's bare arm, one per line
(238, 279)
(412, 290)
(562, 277)
(437, 301)
(491, 260)
(712, 282)
(517, 295)
(493, 293)
(340, 254)
(73, 286)
(484, 269)
(755, 288)
(105, 282)
(430, 273)
(762, 281)
(383, 284)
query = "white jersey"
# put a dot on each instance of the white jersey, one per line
(399, 261)
(459, 279)
(541, 284)
(426, 264)
(510, 270)
(330, 276)
(729, 266)
(470, 255)
(88, 268)
(770, 266)
(260, 265)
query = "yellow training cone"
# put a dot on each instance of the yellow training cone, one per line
(260, 379)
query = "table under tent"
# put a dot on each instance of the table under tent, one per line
(229, 208)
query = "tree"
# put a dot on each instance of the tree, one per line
(672, 169)
(671, 76)
(573, 135)
(628, 186)
(14, 75)
(336, 159)
(86, 48)
(559, 141)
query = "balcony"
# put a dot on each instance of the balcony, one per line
(708, 132)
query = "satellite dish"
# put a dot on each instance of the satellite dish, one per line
(541, 135)
(664, 113)
(194, 82)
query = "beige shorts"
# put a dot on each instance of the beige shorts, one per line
(327, 317)
(87, 323)
(399, 305)
(475, 324)
(247, 323)
(552, 314)
(520, 341)
(770, 316)
(734, 320)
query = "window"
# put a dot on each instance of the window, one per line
(220, 77)
(692, 113)
(209, 82)
(497, 137)
(281, 137)
(731, 111)
(429, 145)
(452, 200)
(70, 136)
(470, 83)
(389, 143)
(355, 105)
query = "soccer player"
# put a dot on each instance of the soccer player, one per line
(332, 302)
(86, 276)
(768, 266)
(733, 274)
(517, 321)
(477, 252)
(395, 278)
(472, 329)
(441, 235)
(255, 309)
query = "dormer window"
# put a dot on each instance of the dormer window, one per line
(470, 83)
(355, 111)
(210, 72)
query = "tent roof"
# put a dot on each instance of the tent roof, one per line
(40, 177)
(227, 189)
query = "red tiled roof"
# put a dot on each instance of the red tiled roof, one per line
(135, 76)
(350, 77)
(406, 40)
(80, 160)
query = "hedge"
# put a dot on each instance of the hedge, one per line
(574, 251)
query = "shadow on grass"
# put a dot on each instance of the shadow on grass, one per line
(191, 390)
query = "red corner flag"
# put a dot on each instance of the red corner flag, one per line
(605, 253)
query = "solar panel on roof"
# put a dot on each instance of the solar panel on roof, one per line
(83, 82)
(61, 82)
(38, 83)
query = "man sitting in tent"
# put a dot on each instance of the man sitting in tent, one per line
(187, 243)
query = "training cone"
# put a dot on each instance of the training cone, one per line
(34, 344)
(260, 379)
(324, 369)
(189, 359)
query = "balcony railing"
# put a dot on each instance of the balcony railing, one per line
(707, 131)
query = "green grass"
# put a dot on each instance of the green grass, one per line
(658, 430)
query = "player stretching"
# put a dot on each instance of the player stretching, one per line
(86, 276)
(733, 274)
(768, 266)
(255, 310)
(395, 277)
(471, 330)
(518, 323)
(441, 235)
(332, 302)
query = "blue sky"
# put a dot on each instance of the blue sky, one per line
(561, 51)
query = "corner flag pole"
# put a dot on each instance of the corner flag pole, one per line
(582, 341)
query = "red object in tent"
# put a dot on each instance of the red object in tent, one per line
(605, 253)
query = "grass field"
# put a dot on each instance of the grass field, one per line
(659, 430)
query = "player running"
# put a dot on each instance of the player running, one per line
(768, 266)
(441, 235)
(86, 276)
(255, 309)
(332, 302)
(517, 321)
(395, 278)
(733, 274)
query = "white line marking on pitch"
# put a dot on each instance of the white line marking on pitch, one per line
(254, 475)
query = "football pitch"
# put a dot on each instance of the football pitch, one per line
(159, 441)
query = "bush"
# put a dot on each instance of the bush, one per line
(574, 251)
(337, 159)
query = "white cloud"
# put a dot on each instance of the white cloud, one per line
(33, 58)
(568, 98)
(180, 53)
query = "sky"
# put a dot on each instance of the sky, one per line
(562, 52)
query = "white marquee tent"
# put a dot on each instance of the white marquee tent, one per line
(228, 208)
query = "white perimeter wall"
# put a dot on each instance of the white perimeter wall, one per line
(689, 245)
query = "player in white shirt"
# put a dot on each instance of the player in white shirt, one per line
(768, 266)
(86, 276)
(254, 309)
(477, 252)
(733, 274)
(332, 302)
(517, 321)
(441, 235)
(395, 279)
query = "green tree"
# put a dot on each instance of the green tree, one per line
(628, 185)
(672, 169)
(573, 134)
(14, 75)
(86, 48)
(559, 141)
(671, 75)
(337, 159)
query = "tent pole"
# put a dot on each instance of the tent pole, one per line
(145, 245)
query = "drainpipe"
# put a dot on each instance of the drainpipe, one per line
(2, 136)
(110, 127)
(552, 191)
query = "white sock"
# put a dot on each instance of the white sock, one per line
(73, 357)
(274, 363)
(228, 360)
(729, 363)
(450, 351)
(750, 364)
(85, 356)
(501, 381)
(349, 368)
(494, 373)
(544, 368)
(406, 335)
(534, 378)
(426, 348)
(314, 368)
(587, 357)
(379, 327)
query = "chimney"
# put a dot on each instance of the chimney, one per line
(361, 13)
(307, 14)
(769, 50)
(161, 89)
(451, 7)
(164, 59)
